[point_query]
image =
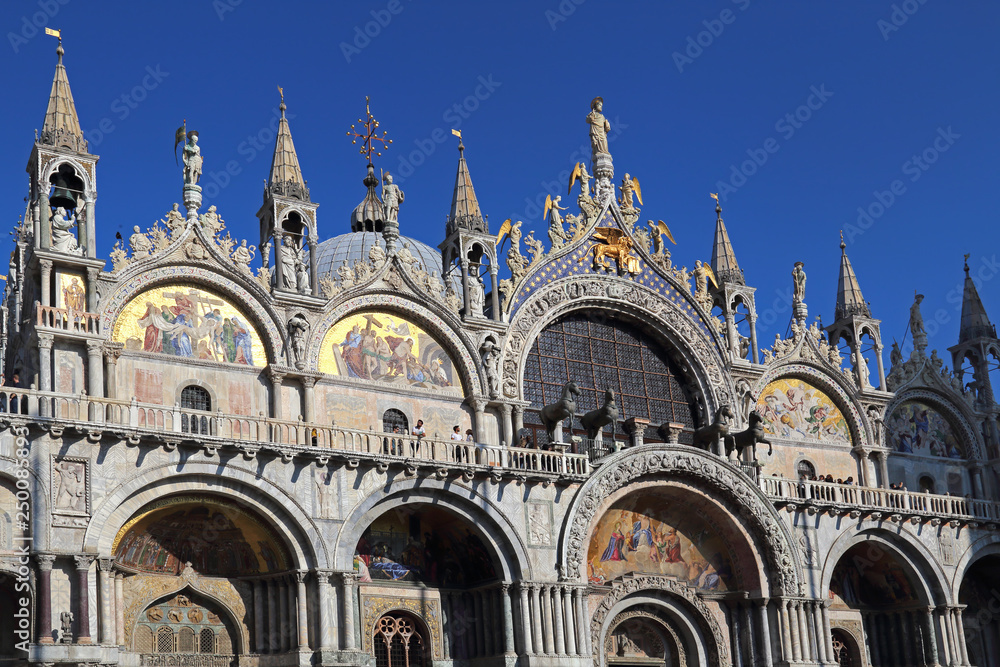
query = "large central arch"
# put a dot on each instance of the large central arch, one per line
(702, 470)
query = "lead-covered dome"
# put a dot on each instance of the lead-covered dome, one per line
(355, 246)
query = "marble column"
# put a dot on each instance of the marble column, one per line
(868, 628)
(582, 621)
(45, 219)
(557, 619)
(507, 614)
(495, 292)
(941, 627)
(907, 635)
(350, 580)
(83, 562)
(793, 624)
(120, 608)
(571, 630)
(479, 408)
(309, 401)
(105, 604)
(518, 419)
(45, 367)
(467, 295)
(46, 281)
(273, 637)
(536, 618)
(752, 317)
(303, 622)
(447, 618)
(45, 562)
(325, 619)
(827, 629)
(547, 619)
(260, 640)
(508, 429)
(95, 368)
(313, 265)
(784, 631)
(955, 650)
(764, 626)
(732, 612)
(527, 643)
(111, 354)
(479, 625)
(292, 622)
(276, 378)
(92, 298)
(884, 469)
(817, 625)
(283, 614)
(930, 634)
(960, 632)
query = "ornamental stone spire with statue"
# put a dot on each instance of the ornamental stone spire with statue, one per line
(192, 174)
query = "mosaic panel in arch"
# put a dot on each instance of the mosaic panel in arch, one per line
(217, 537)
(917, 428)
(428, 545)
(188, 321)
(796, 410)
(386, 347)
(653, 536)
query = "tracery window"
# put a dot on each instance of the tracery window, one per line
(599, 353)
(398, 642)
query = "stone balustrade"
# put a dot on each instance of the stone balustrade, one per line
(62, 319)
(871, 500)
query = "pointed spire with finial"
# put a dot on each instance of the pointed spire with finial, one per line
(850, 301)
(286, 175)
(975, 323)
(62, 126)
(465, 212)
(724, 263)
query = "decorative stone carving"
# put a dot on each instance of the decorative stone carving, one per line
(298, 328)
(174, 221)
(489, 351)
(745, 500)
(373, 607)
(534, 249)
(242, 256)
(70, 486)
(63, 239)
(141, 245)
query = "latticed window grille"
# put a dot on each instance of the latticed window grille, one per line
(398, 643)
(394, 421)
(805, 469)
(599, 353)
(185, 640)
(164, 640)
(194, 397)
(207, 643)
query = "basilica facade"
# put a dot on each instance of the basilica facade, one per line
(357, 449)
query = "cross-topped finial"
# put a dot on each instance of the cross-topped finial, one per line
(967, 256)
(369, 138)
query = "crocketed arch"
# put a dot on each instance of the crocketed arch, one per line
(219, 593)
(861, 433)
(700, 469)
(930, 578)
(958, 416)
(289, 521)
(695, 352)
(261, 314)
(455, 341)
(80, 169)
(502, 536)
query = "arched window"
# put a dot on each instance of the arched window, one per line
(926, 484)
(194, 397)
(394, 421)
(805, 469)
(398, 643)
(164, 640)
(185, 640)
(599, 353)
(207, 641)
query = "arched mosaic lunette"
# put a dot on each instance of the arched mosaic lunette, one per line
(956, 416)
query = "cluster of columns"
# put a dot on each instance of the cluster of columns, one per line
(749, 632)
(477, 622)
(281, 621)
(805, 630)
(110, 592)
(923, 636)
(553, 619)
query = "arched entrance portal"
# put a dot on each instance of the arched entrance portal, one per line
(421, 565)
(846, 652)
(641, 637)
(980, 592)
(874, 584)
(400, 640)
(184, 629)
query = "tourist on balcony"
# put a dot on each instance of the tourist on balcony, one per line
(456, 433)
(468, 436)
(418, 430)
(15, 382)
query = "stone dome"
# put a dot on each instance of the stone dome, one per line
(355, 246)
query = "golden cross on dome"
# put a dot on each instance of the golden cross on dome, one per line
(369, 137)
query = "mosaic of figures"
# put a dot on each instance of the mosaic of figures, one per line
(917, 428)
(387, 348)
(187, 321)
(860, 581)
(216, 538)
(428, 545)
(649, 536)
(796, 410)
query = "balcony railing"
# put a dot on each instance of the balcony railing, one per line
(888, 501)
(63, 319)
(173, 424)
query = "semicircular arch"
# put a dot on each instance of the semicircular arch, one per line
(292, 524)
(958, 416)
(988, 545)
(257, 311)
(701, 469)
(502, 535)
(696, 352)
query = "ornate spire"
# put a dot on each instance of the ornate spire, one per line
(62, 125)
(286, 176)
(724, 264)
(850, 301)
(975, 322)
(465, 213)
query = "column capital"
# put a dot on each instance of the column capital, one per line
(308, 381)
(478, 403)
(83, 561)
(95, 347)
(45, 265)
(300, 576)
(112, 351)
(45, 561)
(506, 409)
(104, 564)
(761, 602)
(276, 375)
(518, 409)
(349, 578)
(45, 341)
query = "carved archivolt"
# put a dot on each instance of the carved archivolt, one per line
(705, 469)
(142, 590)
(457, 345)
(717, 651)
(653, 618)
(375, 607)
(955, 416)
(705, 365)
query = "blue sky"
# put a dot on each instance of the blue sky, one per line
(832, 102)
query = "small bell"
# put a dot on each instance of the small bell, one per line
(62, 195)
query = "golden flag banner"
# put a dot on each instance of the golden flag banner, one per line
(457, 133)
(713, 196)
(179, 136)
(54, 33)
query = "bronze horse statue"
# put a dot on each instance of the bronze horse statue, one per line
(707, 436)
(749, 438)
(606, 414)
(558, 411)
